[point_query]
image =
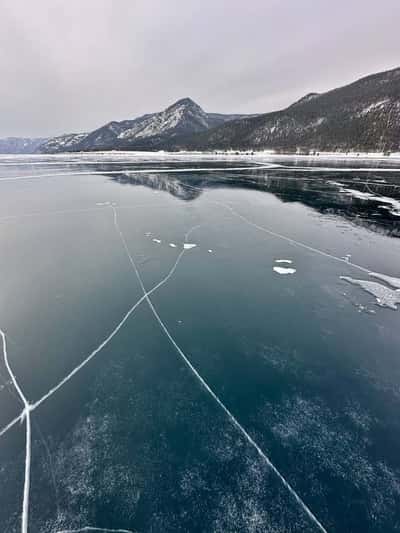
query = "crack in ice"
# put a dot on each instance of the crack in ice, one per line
(290, 240)
(230, 416)
(29, 408)
(94, 529)
(25, 415)
(138, 171)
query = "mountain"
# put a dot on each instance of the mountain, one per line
(362, 116)
(20, 145)
(148, 132)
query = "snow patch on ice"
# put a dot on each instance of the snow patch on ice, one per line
(392, 205)
(390, 280)
(385, 297)
(284, 270)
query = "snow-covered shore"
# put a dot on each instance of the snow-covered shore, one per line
(219, 155)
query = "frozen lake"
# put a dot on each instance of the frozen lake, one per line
(201, 344)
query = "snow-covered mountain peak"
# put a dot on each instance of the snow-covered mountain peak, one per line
(184, 102)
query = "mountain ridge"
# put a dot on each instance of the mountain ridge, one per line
(362, 116)
(150, 131)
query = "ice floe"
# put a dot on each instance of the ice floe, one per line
(385, 297)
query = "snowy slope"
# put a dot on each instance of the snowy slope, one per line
(153, 130)
(362, 116)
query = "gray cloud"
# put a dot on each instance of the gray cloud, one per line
(72, 65)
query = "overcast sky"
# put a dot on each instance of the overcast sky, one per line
(72, 65)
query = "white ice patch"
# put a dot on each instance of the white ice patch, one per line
(188, 246)
(390, 280)
(157, 241)
(391, 204)
(284, 270)
(385, 297)
(289, 261)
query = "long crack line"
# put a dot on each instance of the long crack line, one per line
(230, 416)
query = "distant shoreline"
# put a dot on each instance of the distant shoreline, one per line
(231, 154)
